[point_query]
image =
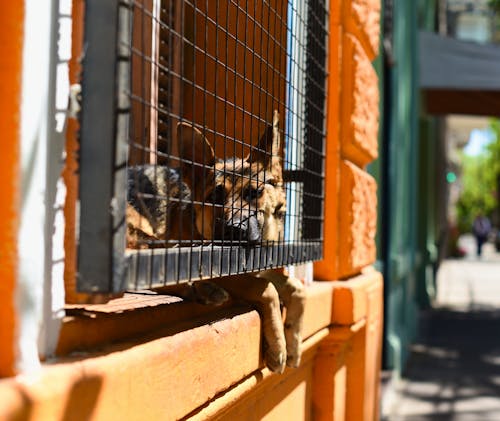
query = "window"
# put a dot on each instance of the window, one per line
(182, 172)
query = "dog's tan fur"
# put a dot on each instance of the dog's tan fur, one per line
(251, 187)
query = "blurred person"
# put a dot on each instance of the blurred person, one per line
(481, 227)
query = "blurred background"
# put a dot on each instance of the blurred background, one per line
(439, 236)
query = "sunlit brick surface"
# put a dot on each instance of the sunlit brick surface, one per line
(360, 100)
(363, 16)
(358, 219)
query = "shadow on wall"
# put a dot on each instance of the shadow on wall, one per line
(80, 405)
(82, 399)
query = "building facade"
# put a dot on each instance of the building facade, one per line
(68, 354)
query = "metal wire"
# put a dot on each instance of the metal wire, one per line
(218, 69)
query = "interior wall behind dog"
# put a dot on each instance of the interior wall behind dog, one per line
(219, 65)
(235, 69)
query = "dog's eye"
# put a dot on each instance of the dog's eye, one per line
(218, 195)
(280, 212)
(251, 193)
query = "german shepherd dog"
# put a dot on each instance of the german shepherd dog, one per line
(238, 199)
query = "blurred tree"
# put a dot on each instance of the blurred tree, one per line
(494, 164)
(480, 182)
(476, 195)
(494, 5)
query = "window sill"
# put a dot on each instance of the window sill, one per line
(88, 327)
(180, 362)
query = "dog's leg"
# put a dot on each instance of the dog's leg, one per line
(292, 293)
(202, 292)
(263, 295)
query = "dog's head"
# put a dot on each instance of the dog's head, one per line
(240, 199)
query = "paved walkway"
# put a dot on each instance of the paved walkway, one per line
(454, 368)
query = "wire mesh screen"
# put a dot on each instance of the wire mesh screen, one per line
(222, 119)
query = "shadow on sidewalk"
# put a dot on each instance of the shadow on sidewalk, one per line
(454, 369)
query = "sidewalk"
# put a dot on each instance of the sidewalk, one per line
(454, 368)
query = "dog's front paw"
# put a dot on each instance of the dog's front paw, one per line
(293, 343)
(293, 360)
(209, 293)
(275, 361)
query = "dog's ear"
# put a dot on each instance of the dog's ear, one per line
(269, 144)
(195, 151)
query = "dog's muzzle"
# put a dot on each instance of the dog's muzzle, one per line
(243, 230)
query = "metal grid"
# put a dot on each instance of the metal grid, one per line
(215, 185)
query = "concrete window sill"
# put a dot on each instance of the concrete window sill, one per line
(164, 364)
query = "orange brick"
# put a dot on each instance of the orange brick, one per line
(362, 18)
(358, 219)
(360, 105)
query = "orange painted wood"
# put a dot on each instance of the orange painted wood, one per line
(327, 268)
(70, 171)
(11, 48)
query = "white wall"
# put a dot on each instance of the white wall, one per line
(40, 295)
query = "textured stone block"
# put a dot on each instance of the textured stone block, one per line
(362, 18)
(358, 219)
(360, 105)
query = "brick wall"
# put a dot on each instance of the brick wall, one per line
(353, 122)
(346, 384)
(209, 366)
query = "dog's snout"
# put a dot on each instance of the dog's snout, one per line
(253, 231)
(246, 230)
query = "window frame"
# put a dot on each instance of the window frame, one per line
(104, 264)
